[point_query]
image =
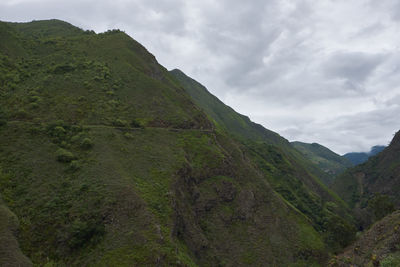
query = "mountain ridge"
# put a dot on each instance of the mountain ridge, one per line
(324, 158)
(108, 161)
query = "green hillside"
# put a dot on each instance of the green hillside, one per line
(107, 161)
(224, 116)
(327, 160)
(379, 246)
(291, 175)
(372, 187)
(10, 253)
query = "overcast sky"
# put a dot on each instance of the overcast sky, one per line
(325, 71)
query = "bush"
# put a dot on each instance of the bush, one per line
(59, 131)
(81, 232)
(136, 124)
(391, 261)
(74, 165)
(120, 123)
(381, 205)
(129, 136)
(86, 143)
(64, 155)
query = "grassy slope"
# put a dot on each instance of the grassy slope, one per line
(10, 253)
(379, 175)
(327, 160)
(287, 170)
(379, 246)
(109, 162)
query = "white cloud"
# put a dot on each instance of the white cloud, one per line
(315, 71)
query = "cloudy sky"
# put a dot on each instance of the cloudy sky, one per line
(316, 71)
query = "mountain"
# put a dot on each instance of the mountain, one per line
(294, 177)
(327, 160)
(361, 157)
(108, 159)
(372, 188)
(379, 246)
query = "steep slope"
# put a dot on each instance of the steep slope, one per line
(379, 246)
(295, 178)
(361, 157)
(10, 253)
(373, 186)
(224, 116)
(110, 163)
(327, 160)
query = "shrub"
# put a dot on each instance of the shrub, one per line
(86, 143)
(21, 114)
(136, 124)
(74, 165)
(59, 131)
(35, 99)
(64, 155)
(391, 261)
(33, 105)
(129, 136)
(120, 123)
(381, 205)
(81, 232)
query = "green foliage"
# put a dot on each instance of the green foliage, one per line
(176, 191)
(86, 143)
(135, 124)
(82, 232)
(392, 260)
(381, 205)
(339, 233)
(120, 123)
(64, 155)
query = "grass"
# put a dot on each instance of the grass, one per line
(109, 161)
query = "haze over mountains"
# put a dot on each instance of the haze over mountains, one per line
(361, 157)
(109, 159)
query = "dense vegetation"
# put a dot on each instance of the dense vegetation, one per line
(296, 179)
(371, 188)
(106, 160)
(327, 160)
(379, 246)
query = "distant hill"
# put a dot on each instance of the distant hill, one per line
(327, 160)
(360, 157)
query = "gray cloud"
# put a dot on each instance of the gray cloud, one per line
(315, 71)
(352, 66)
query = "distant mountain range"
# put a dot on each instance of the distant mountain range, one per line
(361, 157)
